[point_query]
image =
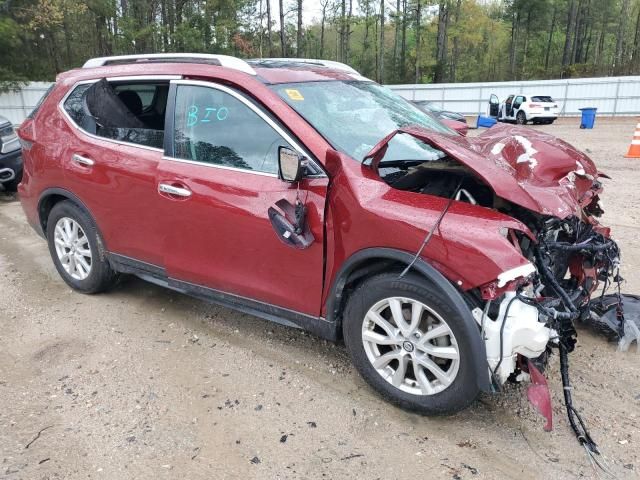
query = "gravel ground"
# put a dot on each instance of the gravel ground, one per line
(143, 382)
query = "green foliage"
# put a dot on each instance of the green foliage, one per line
(483, 40)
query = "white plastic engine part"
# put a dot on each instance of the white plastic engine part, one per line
(522, 333)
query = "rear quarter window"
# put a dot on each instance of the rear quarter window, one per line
(102, 109)
(40, 102)
(542, 99)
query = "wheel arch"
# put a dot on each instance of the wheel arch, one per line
(365, 263)
(50, 197)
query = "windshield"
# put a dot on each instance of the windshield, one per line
(433, 107)
(355, 115)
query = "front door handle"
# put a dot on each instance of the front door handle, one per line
(173, 190)
(79, 159)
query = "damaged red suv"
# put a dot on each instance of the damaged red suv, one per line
(303, 193)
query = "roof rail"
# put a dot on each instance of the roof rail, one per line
(222, 60)
(326, 63)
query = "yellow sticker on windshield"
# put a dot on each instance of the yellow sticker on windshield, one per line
(294, 94)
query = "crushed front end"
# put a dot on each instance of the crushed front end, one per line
(553, 190)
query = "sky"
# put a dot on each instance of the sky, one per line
(311, 10)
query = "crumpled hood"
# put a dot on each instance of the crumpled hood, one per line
(524, 166)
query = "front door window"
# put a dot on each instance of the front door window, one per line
(213, 127)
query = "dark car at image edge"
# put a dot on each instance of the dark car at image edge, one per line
(10, 156)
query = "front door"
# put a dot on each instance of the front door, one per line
(494, 105)
(218, 181)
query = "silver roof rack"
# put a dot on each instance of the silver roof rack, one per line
(325, 63)
(223, 60)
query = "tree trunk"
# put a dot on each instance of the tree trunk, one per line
(635, 55)
(403, 44)
(568, 42)
(577, 44)
(343, 14)
(513, 49)
(324, 19)
(347, 40)
(163, 17)
(418, 15)
(299, 31)
(283, 43)
(365, 40)
(441, 41)
(456, 52)
(622, 26)
(526, 44)
(396, 35)
(269, 39)
(549, 40)
(381, 51)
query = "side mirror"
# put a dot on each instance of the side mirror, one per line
(291, 166)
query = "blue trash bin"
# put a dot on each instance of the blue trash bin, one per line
(588, 117)
(485, 122)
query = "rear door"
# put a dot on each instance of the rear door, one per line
(518, 103)
(217, 183)
(508, 107)
(111, 166)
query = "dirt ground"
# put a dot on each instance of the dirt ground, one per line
(143, 382)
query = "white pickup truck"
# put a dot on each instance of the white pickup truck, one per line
(539, 109)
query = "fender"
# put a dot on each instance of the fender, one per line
(363, 257)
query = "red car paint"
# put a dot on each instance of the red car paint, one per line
(529, 168)
(221, 237)
(460, 127)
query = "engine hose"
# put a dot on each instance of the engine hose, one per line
(548, 276)
(578, 427)
(574, 248)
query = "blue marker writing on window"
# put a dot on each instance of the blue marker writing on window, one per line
(209, 114)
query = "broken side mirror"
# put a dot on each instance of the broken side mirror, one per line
(291, 165)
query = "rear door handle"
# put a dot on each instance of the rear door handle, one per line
(173, 190)
(79, 159)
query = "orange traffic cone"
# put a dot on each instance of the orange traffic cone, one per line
(634, 148)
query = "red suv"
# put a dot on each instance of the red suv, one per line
(298, 191)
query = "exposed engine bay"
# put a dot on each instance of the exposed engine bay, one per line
(532, 310)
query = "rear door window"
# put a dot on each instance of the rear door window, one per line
(126, 112)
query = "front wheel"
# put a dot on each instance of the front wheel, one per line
(521, 118)
(407, 341)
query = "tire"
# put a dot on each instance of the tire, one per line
(12, 186)
(441, 398)
(521, 118)
(99, 276)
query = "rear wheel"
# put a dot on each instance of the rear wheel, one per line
(521, 118)
(77, 250)
(408, 343)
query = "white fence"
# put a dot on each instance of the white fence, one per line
(17, 105)
(610, 95)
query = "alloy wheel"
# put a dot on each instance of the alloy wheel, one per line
(73, 248)
(410, 346)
